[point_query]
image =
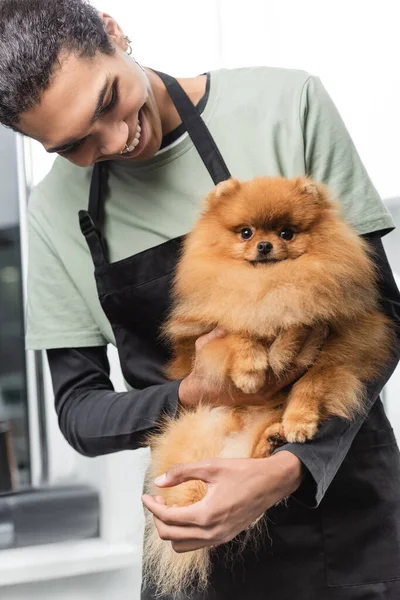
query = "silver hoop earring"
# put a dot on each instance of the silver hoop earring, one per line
(128, 43)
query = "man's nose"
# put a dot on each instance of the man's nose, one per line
(113, 139)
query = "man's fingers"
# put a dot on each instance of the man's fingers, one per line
(179, 533)
(204, 471)
(190, 545)
(217, 332)
(189, 538)
(160, 499)
(182, 516)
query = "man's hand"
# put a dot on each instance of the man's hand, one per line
(239, 491)
(194, 389)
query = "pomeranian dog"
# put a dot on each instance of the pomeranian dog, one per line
(267, 260)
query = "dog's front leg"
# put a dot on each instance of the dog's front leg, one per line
(240, 359)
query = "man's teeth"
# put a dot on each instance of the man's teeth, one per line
(135, 140)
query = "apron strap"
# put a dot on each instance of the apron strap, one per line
(91, 221)
(94, 239)
(98, 190)
(197, 129)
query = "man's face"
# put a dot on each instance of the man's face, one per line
(94, 108)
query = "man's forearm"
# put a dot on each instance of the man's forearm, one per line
(285, 472)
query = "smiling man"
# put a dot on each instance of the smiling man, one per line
(101, 107)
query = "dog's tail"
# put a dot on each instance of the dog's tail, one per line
(219, 432)
(169, 572)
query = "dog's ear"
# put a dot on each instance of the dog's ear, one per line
(313, 189)
(223, 190)
(226, 188)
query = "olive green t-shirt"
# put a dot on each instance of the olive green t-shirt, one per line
(265, 121)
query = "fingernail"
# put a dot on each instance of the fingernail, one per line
(161, 479)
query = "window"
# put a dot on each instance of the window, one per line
(29, 505)
(15, 463)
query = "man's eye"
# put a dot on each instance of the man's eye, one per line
(113, 101)
(108, 108)
(73, 148)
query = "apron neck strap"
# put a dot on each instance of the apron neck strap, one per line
(94, 238)
(91, 221)
(98, 190)
(197, 129)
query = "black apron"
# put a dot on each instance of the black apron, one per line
(348, 547)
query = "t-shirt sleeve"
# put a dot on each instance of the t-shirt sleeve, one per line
(57, 314)
(331, 158)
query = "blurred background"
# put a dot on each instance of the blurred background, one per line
(352, 45)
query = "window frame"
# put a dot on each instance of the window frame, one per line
(34, 368)
(39, 493)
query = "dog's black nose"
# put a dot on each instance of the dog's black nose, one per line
(264, 248)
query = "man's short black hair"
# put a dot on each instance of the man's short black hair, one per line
(32, 35)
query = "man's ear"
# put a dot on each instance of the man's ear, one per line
(113, 30)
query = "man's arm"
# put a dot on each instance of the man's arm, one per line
(97, 420)
(92, 416)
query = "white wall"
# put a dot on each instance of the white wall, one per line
(353, 47)
(351, 44)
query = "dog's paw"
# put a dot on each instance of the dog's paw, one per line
(281, 356)
(284, 349)
(252, 357)
(279, 362)
(275, 436)
(271, 438)
(249, 382)
(261, 449)
(299, 430)
(275, 433)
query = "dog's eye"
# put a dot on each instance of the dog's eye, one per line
(246, 233)
(287, 234)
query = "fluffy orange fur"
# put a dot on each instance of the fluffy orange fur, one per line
(317, 273)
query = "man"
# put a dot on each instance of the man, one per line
(67, 80)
